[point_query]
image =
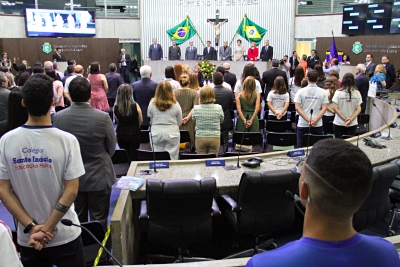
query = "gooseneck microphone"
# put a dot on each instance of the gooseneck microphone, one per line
(241, 143)
(67, 222)
(388, 137)
(152, 146)
(289, 196)
(309, 132)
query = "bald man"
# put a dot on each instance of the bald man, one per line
(229, 78)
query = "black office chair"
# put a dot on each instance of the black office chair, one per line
(292, 107)
(90, 247)
(278, 126)
(197, 156)
(280, 139)
(178, 213)
(311, 139)
(121, 162)
(144, 140)
(377, 205)
(147, 155)
(330, 128)
(185, 138)
(261, 207)
(254, 139)
(363, 124)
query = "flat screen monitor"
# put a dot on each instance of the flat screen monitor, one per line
(396, 10)
(395, 25)
(377, 26)
(381, 10)
(354, 12)
(59, 23)
(353, 27)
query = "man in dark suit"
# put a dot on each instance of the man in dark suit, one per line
(155, 51)
(362, 84)
(124, 61)
(229, 77)
(4, 93)
(143, 91)
(224, 97)
(370, 66)
(267, 52)
(95, 133)
(58, 56)
(208, 52)
(390, 72)
(174, 52)
(269, 77)
(114, 80)
(191, 52)
(311, 58)
(294, 62)
(315, 62)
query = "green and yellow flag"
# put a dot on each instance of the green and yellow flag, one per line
(182, 32)
(251, 31)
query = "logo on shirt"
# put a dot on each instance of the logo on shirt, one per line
(32, 161)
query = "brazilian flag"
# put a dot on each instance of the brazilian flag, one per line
(182, 32)
(251, 31)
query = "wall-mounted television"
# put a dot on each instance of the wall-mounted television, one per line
(381, 10)
(59, 23)
(353, 27)
(351, 12)
(377, 26)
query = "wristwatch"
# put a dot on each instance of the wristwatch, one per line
(29, 227)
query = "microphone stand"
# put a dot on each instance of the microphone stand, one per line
(152, 147)
(241, 143)
(388, 137)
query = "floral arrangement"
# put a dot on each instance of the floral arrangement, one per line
(206, 68)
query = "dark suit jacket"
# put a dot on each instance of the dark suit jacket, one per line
(114, 80)
(58, 58)
(95, 132)
(310, 60)
(362, 84)
(143, 91)
(224, 97)
(174, 54)
(127, 60)
(267, 55)
(4, 93)
(133, 67)
(269, 77)
(191, 55)
(296, 62)
(370, 69)
(390, 75)
(231, 79)
(315, 63)
(157, 53)
(209, 56)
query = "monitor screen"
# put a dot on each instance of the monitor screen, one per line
(381, 10)
(377, 26)
(395, 26)
(396, 10)
(354, 12)
(59, 23)
(353, 27)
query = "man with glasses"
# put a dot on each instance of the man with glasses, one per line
(335, 180)
(4, 92)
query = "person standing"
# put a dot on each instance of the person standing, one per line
(311, 58)
(208, 52)
(390, 72)
(155, 51)
(191, 52)
(99, 85)
(125, 61)
(133, 68)
(294, 62)
(252, 52)
(114, 80)
(229, 77)
(370, 66)
(8, 253)
(269, 77)
(267, 52)
(40, 194)
(248, 105)
(4, 93)
(278, 100)
(58, 56)
(330, 87)
(225, 52)
(174, 52)
(362, 84)
(239, 51)
(95, 133)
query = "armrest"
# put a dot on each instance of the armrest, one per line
(397, 177)
(232, 203)
(215, 209)
(143, 215)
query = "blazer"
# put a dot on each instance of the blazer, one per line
(296, 62)
(252, 54)
(95, 133)
(310, 60)
(58, 58)
(267, 55)
(226, 53)
(209, 56)
(230, 78)
(143, 91)
(191, 55)
(362, 84)
(155, 53)
(370, 69)
(127, 60)
(114, 80)
(269, 77)
(4, 93)
(390, 75)
(224, 97)
(315, 63)
(174, 54)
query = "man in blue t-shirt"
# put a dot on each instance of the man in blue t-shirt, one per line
(336, 179)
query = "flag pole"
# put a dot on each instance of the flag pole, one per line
(196, 31)
(245, 15)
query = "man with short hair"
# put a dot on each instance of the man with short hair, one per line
(224, 97)
(124, 61)
(311, 103)
(48, 65)
(155, 51)
(225, 52)
(369, 65)
(294, 62)
(70, 71)
(285, 66)
(315, 62)
(143, 91)
(174, 52)
(114, 80)
(4, 93)
(362, 84)
(95, 132)
(390, 72)
(208, 51)
(332, 191)
(269, 77)
(78, 71)
(267, 52)
(38, 70)
(70, 62)
(191, 52)
(58, 56)
(310, 58)
(39, 170)
(334, 66)
(58, 72)
(221, 70)
(229, 77)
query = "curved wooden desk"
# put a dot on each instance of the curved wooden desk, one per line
(124, 221)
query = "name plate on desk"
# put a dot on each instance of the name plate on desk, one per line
(376, 135)
(296, 153)
(215, 162)
(160, 165)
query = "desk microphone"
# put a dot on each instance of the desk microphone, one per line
(152, 146)
(67, 222)
(388, 137)
(309, 132)
(241, 143)
(289, 196)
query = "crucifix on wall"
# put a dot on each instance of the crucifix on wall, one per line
(217, 23)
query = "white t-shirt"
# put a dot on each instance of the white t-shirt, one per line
(310, 97)
(293, 89)
(346, 106)
(278, 101)
(8, 254)
(239, 87)
(37, 160)
(327, 112)
(174, 84)
(68, 80)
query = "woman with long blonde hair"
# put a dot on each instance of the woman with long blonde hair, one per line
(248, 105)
